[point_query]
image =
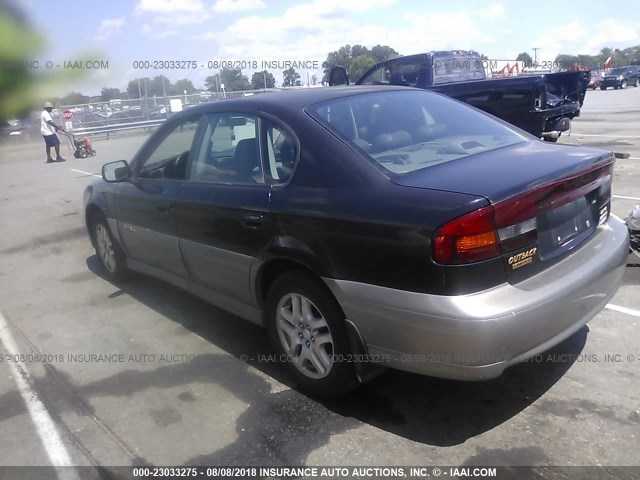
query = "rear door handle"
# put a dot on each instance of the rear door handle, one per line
(252, 220)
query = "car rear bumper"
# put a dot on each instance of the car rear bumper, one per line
(477, 336)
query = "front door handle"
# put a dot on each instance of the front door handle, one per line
(252, 220)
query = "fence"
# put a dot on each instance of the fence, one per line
(120, 115)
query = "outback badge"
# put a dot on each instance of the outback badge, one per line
(523, 258)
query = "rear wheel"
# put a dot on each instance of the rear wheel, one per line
(306, 326)
(108, 251)
(623, 84)
(602, 87)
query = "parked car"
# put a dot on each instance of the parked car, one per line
(621, 77)
(541, 104)
(595, 80)
(87, 120)
(19, 130)
(368, 227)
(126, 116)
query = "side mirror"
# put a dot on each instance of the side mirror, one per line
(338, 76)
(115, 172)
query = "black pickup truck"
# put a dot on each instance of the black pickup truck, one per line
(541, 104)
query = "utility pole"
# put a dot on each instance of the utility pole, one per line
(264, 75)
(535, 55)
(164, 94)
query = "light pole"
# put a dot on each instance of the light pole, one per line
(535, 55)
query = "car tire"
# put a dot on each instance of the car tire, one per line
(110, 255)
(623, 84)
(602, 87)
(306, 326)
(635, 83)
(93, 153)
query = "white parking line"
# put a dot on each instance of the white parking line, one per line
(86, 173)
(44, 424)
(628, 311)
(574, 134)
(625, 197)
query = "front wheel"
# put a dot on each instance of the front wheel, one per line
(623, 84)
(111, 256)
(306, 326)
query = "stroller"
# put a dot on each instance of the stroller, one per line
(81, 148)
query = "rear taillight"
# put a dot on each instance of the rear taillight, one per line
(468, 238)
(512, 224)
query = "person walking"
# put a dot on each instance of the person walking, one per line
(48, 130)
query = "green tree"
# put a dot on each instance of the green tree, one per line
(110, 93)
(211, 83)
(258, 80)
(181, 85)
(233, 80)
(136, 87)
(347, 55)
(359, 65)
(290, 76)
(380, 53)
(73, 98)
(526, 58)
(156, 88)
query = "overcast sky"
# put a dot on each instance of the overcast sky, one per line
(122, 31)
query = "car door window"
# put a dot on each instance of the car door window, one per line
(169, 159)
(230, 151)
(281, 153)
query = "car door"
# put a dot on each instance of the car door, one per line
(146, 221)
(222, 209)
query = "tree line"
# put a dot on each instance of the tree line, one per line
(233, 80)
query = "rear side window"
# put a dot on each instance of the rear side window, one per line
(404, 131)
(281, 153)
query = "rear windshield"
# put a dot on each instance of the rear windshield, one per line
(404, 131)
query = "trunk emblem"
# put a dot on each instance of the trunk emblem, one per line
(522, 258)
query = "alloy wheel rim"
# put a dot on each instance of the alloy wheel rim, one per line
(105, 248)
(305, 336)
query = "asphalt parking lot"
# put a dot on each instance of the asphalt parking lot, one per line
(179, 382)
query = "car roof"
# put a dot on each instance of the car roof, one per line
(291, 99)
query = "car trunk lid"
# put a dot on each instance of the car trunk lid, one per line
(545, 201)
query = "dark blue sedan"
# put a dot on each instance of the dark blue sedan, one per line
(369, 227)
